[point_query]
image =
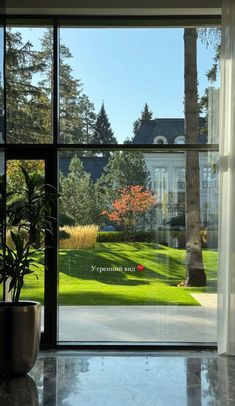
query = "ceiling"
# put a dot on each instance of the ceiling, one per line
(113, 7)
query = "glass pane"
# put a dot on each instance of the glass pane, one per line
(1, 82)
(33, 288)
(29, 67)
(138, 246)
(119, 85)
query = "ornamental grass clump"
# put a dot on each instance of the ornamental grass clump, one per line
(79, 237)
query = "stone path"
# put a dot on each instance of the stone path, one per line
(141, 323)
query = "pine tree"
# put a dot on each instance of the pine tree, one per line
(28, 105)
(146, 114)
(1, 93)
(70, 90)
(77, 194)
(103, 133)
(29, 93)
(88, 118)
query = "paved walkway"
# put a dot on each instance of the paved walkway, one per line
(141, 323)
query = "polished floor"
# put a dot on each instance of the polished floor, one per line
(121, 379)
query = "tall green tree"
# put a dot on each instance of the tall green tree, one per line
(77, 194)
(195, 274)
(103, 133)
(88, 118)
(1, 92)
(28, 105)
(146, 114)
(70, 89)
(29, 73)
(210, 37)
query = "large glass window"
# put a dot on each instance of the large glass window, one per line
(137, 173)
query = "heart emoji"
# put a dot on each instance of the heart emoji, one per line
(140, 268)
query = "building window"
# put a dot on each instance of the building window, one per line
(207, 181)
(180, 139)
(180, 179)
(160, 139)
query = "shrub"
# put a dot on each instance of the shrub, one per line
(79, 237)
(63, 235)
(111, 236)
(144, 236)
(66, 220)
(178, 221)
(120, 236)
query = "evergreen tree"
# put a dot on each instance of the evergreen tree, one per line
(70, 118)
(28, 106)
(70, 89)
(29, 93)
(146, 114)
(103, 133)
(128, 140)
(210, 36)
(77, 194)
(88, 118)
(1, 93)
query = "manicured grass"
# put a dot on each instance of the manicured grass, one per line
(156, 285)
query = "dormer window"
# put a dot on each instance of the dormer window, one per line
(160, 139)
(180, 139)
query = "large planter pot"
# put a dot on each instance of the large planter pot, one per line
(18, 391)
(20, 328)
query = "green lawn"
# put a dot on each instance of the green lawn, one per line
(157, 284)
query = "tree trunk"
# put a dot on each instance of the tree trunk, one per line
(195, 274)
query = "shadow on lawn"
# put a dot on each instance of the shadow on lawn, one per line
(173, 267)
(79, 263)
(101, 299)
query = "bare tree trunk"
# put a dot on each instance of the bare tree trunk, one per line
(195, 274)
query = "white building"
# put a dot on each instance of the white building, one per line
(167, 170)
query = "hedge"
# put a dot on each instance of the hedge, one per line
(120, 236)
(172, 238)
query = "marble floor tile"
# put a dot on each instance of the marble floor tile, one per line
(74, 378)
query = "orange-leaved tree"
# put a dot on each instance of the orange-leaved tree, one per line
(127, 210)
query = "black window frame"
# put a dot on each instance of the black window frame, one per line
(50, 153)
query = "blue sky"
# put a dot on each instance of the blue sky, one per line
(126, 67)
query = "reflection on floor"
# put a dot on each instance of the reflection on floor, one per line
(122, 379)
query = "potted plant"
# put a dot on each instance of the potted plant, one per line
(26, 217)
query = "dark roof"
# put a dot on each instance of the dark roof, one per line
(167, 127)
(92, 165)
